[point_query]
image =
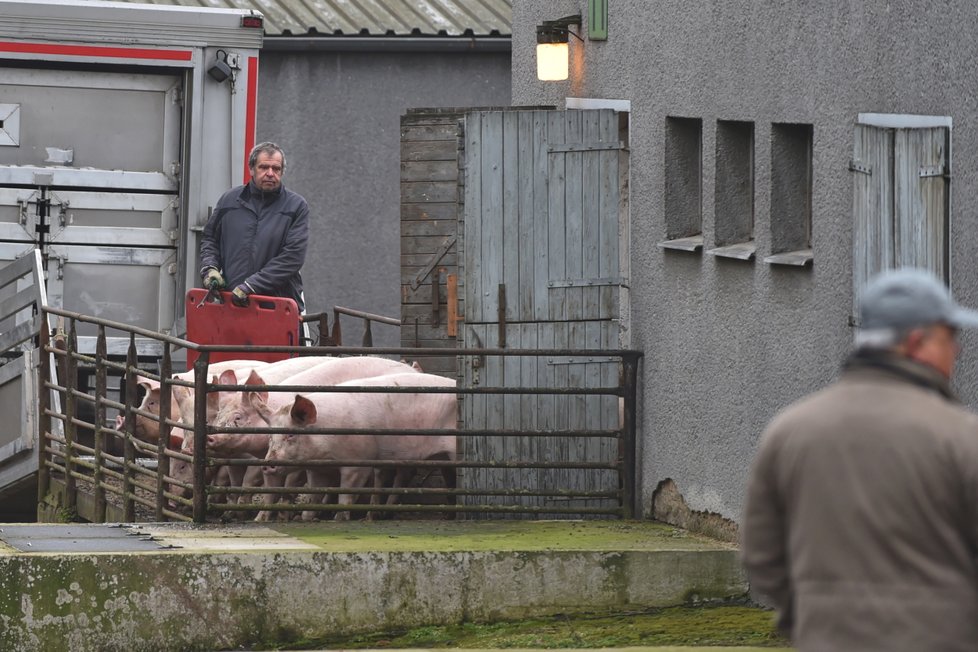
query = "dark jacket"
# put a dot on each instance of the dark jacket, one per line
(861, 521)
(259, 239)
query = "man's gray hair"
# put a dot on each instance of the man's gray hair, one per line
(267, 147)
(879, 338)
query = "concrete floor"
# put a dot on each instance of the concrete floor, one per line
(272, 585)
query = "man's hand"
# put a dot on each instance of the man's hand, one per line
(213, 279)
(239, 296)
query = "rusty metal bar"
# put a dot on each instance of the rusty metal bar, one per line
(44, 419)
(629, 381)
(418, 464)
(126, 328)
(70, 429)
(100, 391)
(241, 430)
(200, 437)
(366, 389)
(163, 462)
(410, 491)
(128, 506)
(390, 321)
(501, 509)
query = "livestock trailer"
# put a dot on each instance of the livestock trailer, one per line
(120, 126)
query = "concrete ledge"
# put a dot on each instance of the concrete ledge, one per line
(188, 600)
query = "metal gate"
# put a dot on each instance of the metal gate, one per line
(544, 251)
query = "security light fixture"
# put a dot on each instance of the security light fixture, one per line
(553, 47)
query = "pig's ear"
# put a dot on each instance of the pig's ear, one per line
(176, 441)
(256, 400)
(227, 377)
(255, 379)
(213, 398)
(148, 384)
(303, 411)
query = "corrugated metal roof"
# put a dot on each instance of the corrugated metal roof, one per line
(372, 17)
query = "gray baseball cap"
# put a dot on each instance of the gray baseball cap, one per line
(910, 298)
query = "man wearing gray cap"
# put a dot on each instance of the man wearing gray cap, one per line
(861, 520)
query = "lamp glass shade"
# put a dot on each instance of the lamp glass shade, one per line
(552, 61)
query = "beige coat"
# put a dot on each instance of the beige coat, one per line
(861, 522)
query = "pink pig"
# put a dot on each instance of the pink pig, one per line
(377, 411)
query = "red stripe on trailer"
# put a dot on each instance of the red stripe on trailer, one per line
(250, 113)
(95, 51)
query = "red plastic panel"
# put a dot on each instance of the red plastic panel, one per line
(269, 321)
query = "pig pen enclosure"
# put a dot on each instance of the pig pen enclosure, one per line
(514, 286)
(546, 446)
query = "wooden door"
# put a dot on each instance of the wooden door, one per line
(543, 265)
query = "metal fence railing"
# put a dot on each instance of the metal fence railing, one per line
(517, 452)
(334, 337)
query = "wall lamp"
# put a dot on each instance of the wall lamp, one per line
(553, 49)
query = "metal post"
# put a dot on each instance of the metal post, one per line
(324, 338)
(43, 406)
(629, 385)
(337, 334)
(71, 411)
(368, 336)
(162, 461)
(200, 436)
(100, 390)
(128, 504)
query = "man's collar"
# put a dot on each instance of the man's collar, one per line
(265, 196)
(898, 365)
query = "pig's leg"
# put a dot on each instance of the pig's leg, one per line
(273, 477)
(350, 477)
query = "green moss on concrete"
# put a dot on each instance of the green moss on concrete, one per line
(503, 536)
(730, 625)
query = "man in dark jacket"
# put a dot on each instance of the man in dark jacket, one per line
(861, 520)
(255, 240)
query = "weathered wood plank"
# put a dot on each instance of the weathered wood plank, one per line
(412, 263)
(471, 228)
(430, 150)
(492, 224)
(421, 245)
(434, 191)
(573, 215)
(427, 228)
(422, 295)
(593, 218)
(557, 243)
(429, 171)
(423, 330)
(429, 132)
(429, 211)
(509, 261)
(523, 301)
(614, 214)
(541, 224)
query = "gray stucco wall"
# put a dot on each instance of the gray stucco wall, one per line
(337, 117)
(729, 343)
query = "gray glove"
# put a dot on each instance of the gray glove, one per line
(213, 279)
